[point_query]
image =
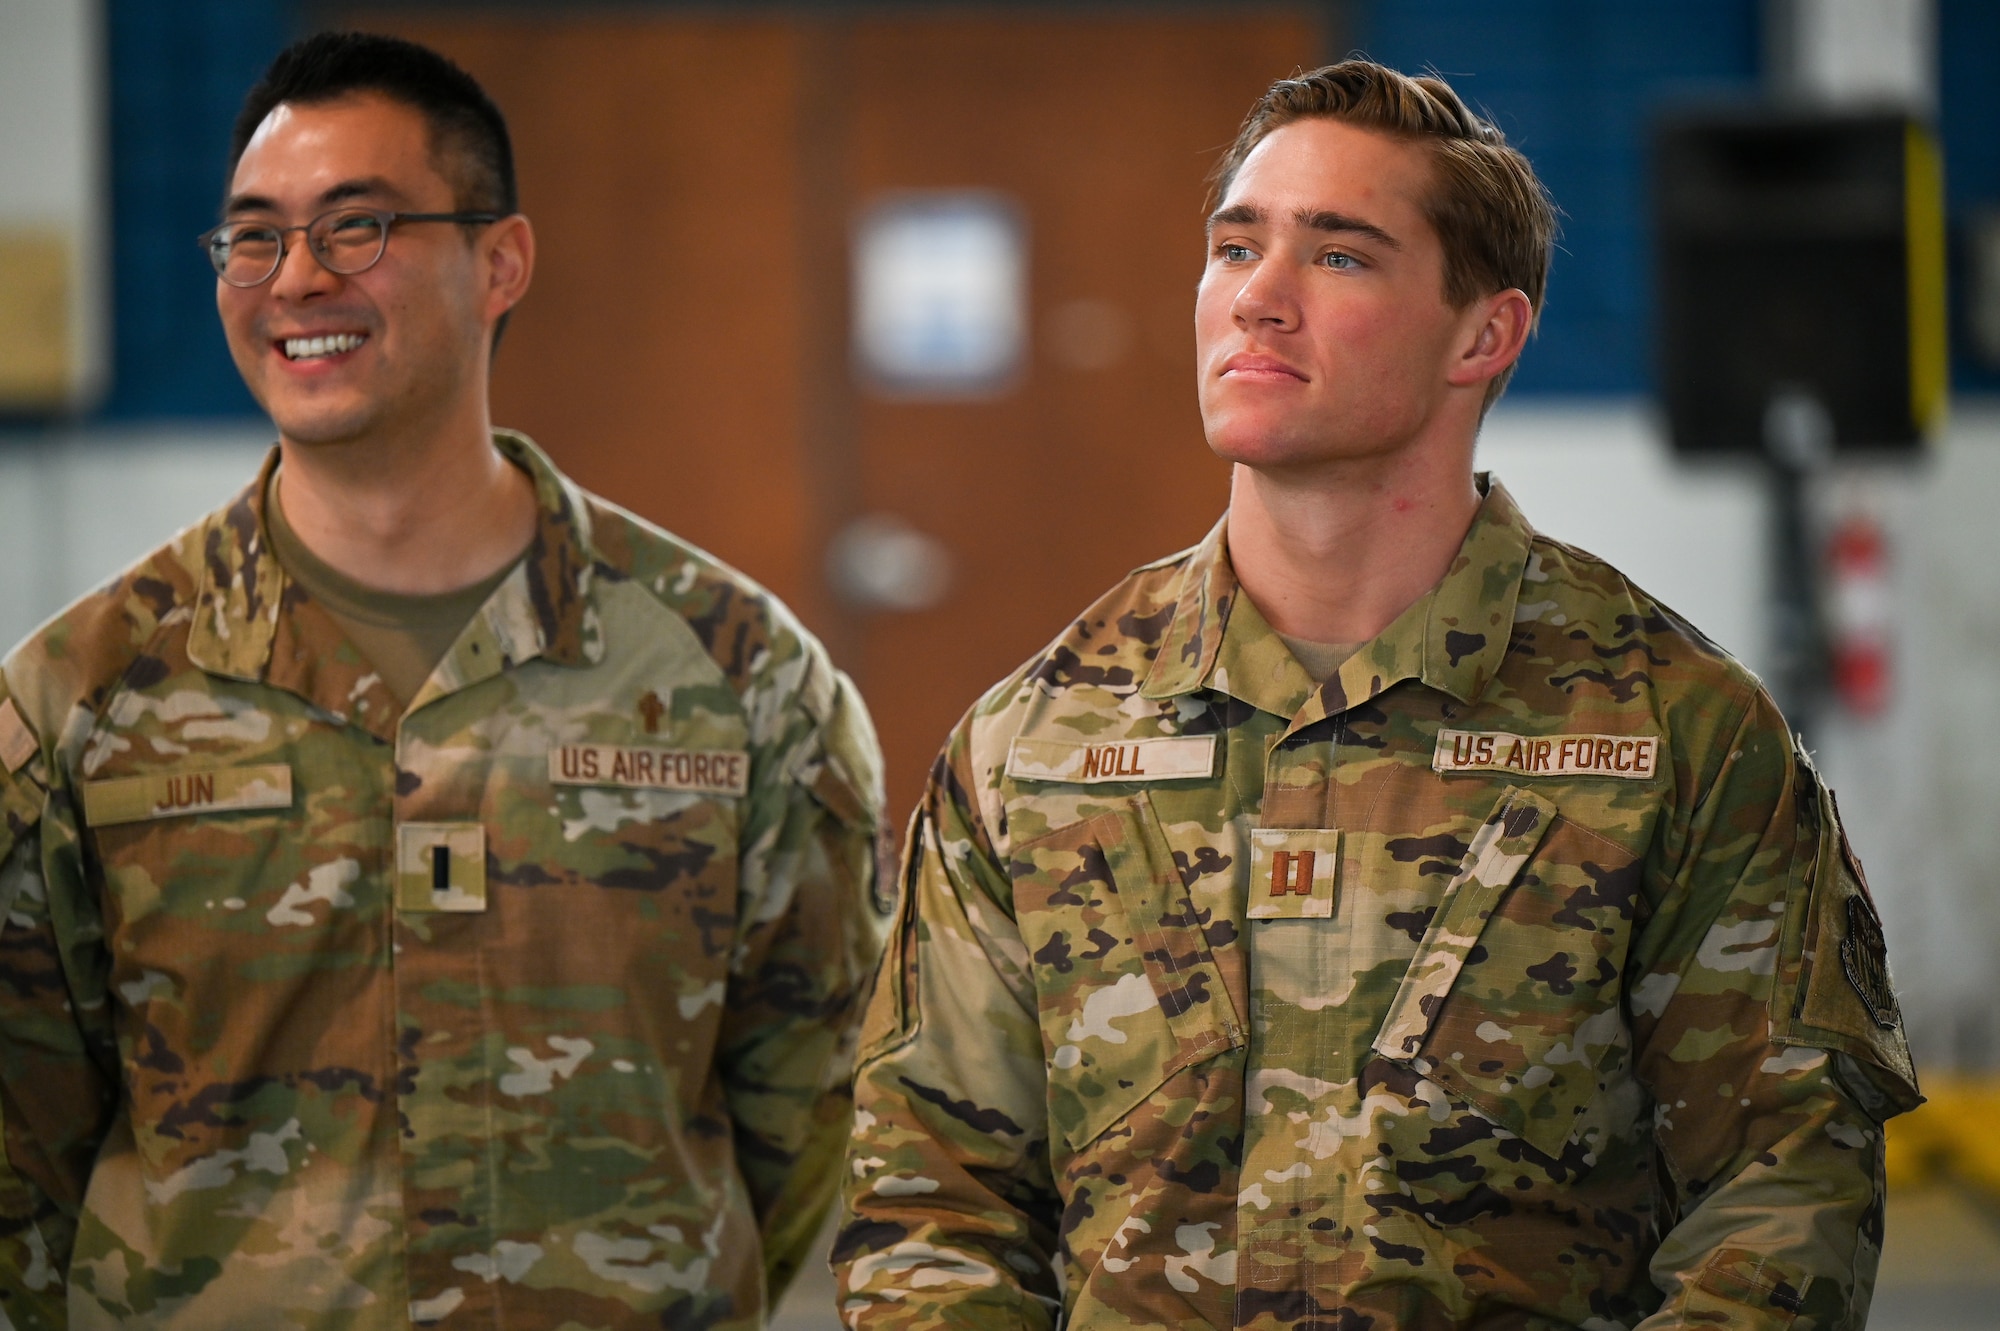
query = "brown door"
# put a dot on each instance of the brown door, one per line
(694, 181)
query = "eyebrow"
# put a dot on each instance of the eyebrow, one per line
(346, 189)
(1322, 219)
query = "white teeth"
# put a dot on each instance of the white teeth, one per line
(306, 348)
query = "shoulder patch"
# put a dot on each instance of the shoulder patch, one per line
(1864, 955)
(1834, 989)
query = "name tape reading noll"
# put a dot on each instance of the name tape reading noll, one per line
(1170, 758)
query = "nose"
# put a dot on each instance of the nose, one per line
(300, 274)
(1267, 299)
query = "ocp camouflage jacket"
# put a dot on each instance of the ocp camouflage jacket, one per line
(530, 1004)
(1519, 976)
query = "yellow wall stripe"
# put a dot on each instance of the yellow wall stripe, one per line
(1923, 216)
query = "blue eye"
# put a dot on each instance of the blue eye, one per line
(1235, 253)
(1341, 261)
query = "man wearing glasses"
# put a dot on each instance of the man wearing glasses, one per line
(432, 895)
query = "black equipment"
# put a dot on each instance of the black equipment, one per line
(1801, 281)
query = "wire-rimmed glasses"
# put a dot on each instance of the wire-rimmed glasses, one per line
(344, 240)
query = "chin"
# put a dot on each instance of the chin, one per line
(1293, 445)
(1249, 446)
(314, 428)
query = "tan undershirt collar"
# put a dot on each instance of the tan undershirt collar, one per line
(403, 637)
(1320, 659)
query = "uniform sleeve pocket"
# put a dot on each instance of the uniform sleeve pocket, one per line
(1746, 1291)
(1513, 1001)
(1127, 987)
(892, 1006)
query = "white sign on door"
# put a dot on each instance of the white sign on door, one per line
(940, 293)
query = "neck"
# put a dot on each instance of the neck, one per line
(1335, 553)
(412, 516)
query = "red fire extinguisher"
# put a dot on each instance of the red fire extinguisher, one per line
(1860, 612)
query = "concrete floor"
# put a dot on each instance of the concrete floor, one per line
(1940, 1270)
(1940, 1264)
(809, 1303)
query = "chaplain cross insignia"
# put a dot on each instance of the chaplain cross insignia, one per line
(650, 711)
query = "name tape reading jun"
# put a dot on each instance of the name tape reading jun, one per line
(132, 799)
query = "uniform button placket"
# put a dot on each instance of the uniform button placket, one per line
(436, 1028)
(1284, 1186)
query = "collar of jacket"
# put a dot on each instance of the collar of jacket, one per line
(245, 624)
(1453, 637)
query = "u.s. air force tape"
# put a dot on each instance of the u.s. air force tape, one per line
(1629, 757)
(707, 772)
(1170, 758)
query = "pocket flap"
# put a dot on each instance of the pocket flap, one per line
(1747, 1290)
(1498, 852)
(1129, 990)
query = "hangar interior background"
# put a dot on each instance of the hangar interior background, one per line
(700, 177)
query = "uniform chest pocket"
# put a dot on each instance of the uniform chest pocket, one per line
(1514, 1001)
(1127, 985)
(184, 850)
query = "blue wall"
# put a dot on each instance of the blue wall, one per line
(1574, 83)
(1969, 118)
(179, 69)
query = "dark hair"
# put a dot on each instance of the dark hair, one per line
(1491, 214)
(469, 140)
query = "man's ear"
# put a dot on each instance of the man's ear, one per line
(1495, 332)
(510, 263)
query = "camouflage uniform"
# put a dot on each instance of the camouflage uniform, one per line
(530, 1005)
(1502, 981)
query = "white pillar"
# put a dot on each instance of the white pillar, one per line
(1854, 52)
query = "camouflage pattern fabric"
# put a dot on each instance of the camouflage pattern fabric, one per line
(1497, 982)
(530, 1005)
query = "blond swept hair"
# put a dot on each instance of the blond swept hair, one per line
(1492, 215)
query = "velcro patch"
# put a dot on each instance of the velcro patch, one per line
(17, 742)
(707, 772)
(1172, 758)
(441, 866)
(134, 799)
(1292, 873)
(1864, 955)
(1628, 757)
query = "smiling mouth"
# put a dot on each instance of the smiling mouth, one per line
(316, 348)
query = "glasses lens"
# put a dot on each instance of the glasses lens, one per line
(348, 241)
(244, 254)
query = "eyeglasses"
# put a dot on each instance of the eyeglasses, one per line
(345, 241)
